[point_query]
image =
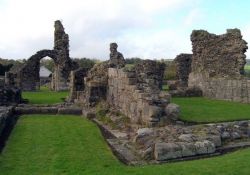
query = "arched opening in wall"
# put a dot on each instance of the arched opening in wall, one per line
(46, 69)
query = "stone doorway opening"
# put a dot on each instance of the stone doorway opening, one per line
(46, 70)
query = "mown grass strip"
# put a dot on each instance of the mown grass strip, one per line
(47, 144)
(200, 109)
(44, 96)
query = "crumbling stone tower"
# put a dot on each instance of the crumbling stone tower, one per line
(63, 64)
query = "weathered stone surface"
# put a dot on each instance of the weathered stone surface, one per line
(187, 137)
(172, 111)
(76, 83)
(218, 65)
(5, 114)
(116, 58)
(183, 68)
(144, 137)
(70, 110)
(148, 154)
(141, 101)
(95, 85)
(10, 95)
(216, 139)
(135, 93)
(36, 110)
(186, 92)
(218, 55)
(144, 131)
(204, 147)
(166, 151)
(187, 149)
(149, 75)
(235, 135)
(47, 110)
(122, 152)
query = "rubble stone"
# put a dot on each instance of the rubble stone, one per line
(204, 147)
(166, 151)
(172, 111)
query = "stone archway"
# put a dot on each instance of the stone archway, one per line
(27, 76)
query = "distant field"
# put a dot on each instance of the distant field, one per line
(247, 67)
(47, 144)
(44, 96)
(200, 109)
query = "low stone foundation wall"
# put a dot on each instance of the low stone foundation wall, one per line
(237, 90)
(2, 80)
(47, 110)
(10, 95)
(5, 114)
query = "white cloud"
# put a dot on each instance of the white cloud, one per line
(160, 44)
(27, 26)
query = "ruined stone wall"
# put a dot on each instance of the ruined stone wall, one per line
(134, 92)
(139, 99)
(10, 95)
(6, 113)
(27, 76)
(96, 83)
(218, 55)
(63, 64)
(2, 81)
(183, 68)
(218, 65)
(237, 90)
(149, 75)
(77, 83)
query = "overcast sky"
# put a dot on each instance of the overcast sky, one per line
(142, 28)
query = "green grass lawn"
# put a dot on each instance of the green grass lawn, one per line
(45, 145)
(165, 87)
(199, 109)
(247, 67)
(44, 96)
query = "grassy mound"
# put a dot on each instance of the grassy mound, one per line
(44, 144)
(199, 109)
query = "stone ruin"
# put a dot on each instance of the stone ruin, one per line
(137, 105)
(218, 65)
(135, 93)
(76, 83)
(10, 96)
(135, 102)
(116, 58)
(218, 56)
(183, 68)
(27, 76)
(180, 87)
